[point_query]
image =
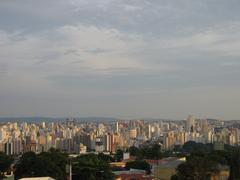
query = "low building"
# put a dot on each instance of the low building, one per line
(165, 168)
(135, 174)
(38, 178)
(222, 174)
(218, 146)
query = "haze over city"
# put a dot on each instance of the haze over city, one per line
(118, 58)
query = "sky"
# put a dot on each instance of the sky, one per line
(120, 58)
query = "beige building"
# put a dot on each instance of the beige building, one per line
(166, 168)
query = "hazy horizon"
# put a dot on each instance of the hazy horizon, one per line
(109, 117)
(120, 58)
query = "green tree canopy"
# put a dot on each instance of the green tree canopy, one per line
(92, 167)
(192, 146)
(234, 162)
(52, 163)
(5, 162)
(105, 157)
(138, 164)
(150, 152)
(119, 155)
(203, 161)
(198, 166)
(134, 151)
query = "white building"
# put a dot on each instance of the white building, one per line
(38, 178)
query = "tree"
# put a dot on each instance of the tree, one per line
(192, 146)
(204, 161)
(28, 166)
(138, 164)
(174, 177)
(92, 167)
(184, 172)
(5, 162)
(150, 152)
(52, 163)
(235, 164)
(106, 158)
(134, 151)
(119, 155)
(156, 151)
(197, 167)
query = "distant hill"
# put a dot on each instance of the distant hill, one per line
(51, 119)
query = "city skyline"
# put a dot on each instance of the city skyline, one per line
(35, 119)
(117, 58)
(160, 144)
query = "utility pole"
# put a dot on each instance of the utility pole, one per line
(70, 170)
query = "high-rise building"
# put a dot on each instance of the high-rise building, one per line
(133, 133)
(169, 140)
(149, 131)
(8, 148)
(108, 142)
(117, 130)
(17, 146)
(3, 134)
(190, 124)
(99, 147)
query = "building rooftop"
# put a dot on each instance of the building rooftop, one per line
(38, 178)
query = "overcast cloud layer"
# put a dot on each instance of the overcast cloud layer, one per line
(120, 58)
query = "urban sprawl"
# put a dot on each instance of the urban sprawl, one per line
(78, 137)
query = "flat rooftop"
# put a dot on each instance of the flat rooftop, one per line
(38, 178)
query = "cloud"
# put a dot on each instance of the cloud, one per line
(3, 69)
(57, 51)
(118, 49)
(72, 52)
(87, 51)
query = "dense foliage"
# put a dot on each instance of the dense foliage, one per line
(203, 162)
(146, 152)
(92, 167)
(52, 163)
(5, 162)
(197, 167)
(192, 146)
(138, 164)
(118, 156)
(234, 162)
